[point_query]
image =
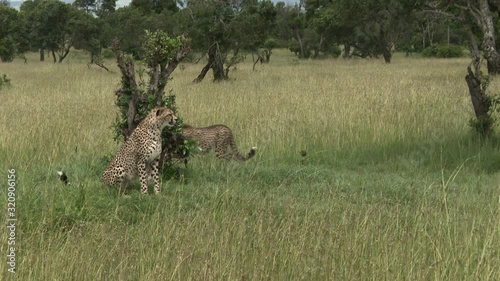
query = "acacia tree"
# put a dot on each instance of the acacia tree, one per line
(52, 25)
(220, 29)
(383, 24)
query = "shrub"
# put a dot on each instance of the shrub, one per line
(7, 49)
(443, 51)
(270, 43)
(429, 52)
(107, 54)
(449, 51)
(334, 50)
(4, 81)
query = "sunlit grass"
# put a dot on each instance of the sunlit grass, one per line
(394, 185)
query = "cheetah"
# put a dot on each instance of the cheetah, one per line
(140, 154)
(217, 137)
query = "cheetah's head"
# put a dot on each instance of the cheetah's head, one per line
(164, 116)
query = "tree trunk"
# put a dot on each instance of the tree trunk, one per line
(42, 54)
(423, 40)
(347, 51)
(54, 56)
(301, 44)
(216, 63)
(63, 53)
(218, 70)
(479, 103)
(267, 54)
(255, 61)
(202, 74)
(489, 40)
(477, 93)
(385, 46)
(387, 55)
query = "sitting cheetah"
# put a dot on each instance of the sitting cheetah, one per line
(140, 154)
(217, 137)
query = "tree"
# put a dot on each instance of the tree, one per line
(52, 25)
(134, 99)
(89, 6)
(9, 24)
(221, 29)
(384, 24)
(147, 7)
(87, 34)
(96, 7)
(478, 18)
(128, 25)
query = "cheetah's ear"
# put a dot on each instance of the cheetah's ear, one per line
(159, 111)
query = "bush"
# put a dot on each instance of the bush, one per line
(429, 52)
(334, 50)
(107, 54)
(7, 49)
(4, 81)
(443, 51)
(270, 44)
(449, 51)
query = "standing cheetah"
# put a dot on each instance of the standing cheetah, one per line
(217, 137)
(140, 154)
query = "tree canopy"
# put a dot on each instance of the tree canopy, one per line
(226, 30)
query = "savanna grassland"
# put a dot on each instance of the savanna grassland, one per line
(394, 184)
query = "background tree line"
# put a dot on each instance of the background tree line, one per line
(225, 30)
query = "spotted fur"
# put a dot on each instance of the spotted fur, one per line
(217, 137)
(140, 154)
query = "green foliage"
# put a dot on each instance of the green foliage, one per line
(57, 26)
(107, 54)
(222, 29)
(4, 81)
(154, 6)
(270, 43)
(449, 51)
(159, 47)
(334, 50)
(12, 38)
(428, 52)
(294, 46)
(443, 51)
(7, 49)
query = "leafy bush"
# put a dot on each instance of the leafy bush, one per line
(7, 49)
(449, 51)
(270, 44)
(428, 52)
(4, 81)
(294, 47)
(107, 54)
(443, 51)
(334, 50)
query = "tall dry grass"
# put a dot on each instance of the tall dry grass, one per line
(394, 185)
